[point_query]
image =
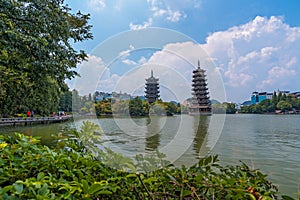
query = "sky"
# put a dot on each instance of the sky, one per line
(244, 46)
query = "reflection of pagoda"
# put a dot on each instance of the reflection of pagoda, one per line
(200, 103)
(152, 88)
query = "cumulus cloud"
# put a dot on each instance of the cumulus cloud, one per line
(141, 26)
(182, 58)
(278, 74)
(259, 55)
(90, 72)
(169, 14)
(129, 62)
(168, 10)
(126, 52)
(97, 5)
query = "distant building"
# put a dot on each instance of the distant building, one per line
(246, 103)
(296, 94)
(200, 103)
(121, 96)
(258, 97)
(282, 92)
(103, 96)
(152, 88)
(143, 98)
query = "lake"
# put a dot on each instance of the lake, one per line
(270, 143)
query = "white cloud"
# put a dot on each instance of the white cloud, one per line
(129, 62)
(259, 55)
(142, 60)
(172, 11)
(97, 5)
(174, 16)
(90, 72)
(170, 15)
(262, 54)
(141, 26)
(278, 74)
(126, 52)
(181, 59)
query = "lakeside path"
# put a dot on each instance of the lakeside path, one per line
(33, 120)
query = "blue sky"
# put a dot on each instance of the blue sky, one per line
(253, 45)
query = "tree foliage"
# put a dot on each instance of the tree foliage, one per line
(281, 102)
(228, 108)
(69, 170)
(136, 107)
(36, 53)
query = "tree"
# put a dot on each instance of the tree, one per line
(230, 108)
(76, 102)
(284, 106)
(274, 100)
(136, 107)
(36, 53)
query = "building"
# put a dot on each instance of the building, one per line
(100, 96)
(200, 103)
(152, 88)
(296, 94)
(258, 97)
(283, 92)
(121, 96)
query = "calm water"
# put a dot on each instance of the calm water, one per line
(270, 143)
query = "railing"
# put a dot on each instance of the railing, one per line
(34, 119)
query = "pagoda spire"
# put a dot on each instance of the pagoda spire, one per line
(198, 64)
(151, 73)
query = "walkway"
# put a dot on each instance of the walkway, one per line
(33, 120)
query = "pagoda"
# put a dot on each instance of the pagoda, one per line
(152, 88)
(200, 103)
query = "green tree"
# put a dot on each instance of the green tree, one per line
(76, 101)
(230, 108)
(121, 107)
(136, 107)
(65, 101)
(284, 106)
(104, 107)
(36, 53)
(267, 106)
(274, 100)
(279, 98)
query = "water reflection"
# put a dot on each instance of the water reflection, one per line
(195, 134)
(201, 125)
(152, 140)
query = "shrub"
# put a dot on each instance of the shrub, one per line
(29, 170)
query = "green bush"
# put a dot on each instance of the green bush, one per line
(29, 170)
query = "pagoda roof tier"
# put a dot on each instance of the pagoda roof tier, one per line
(199, 74)
(200, 79)
(150, 92)
(203, 93)
(200, 86)
(200, 106)
(152, 86)
(151, 96)
(151, 81)
(199, 71)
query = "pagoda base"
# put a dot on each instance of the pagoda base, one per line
(200, 113)
(201, 110)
